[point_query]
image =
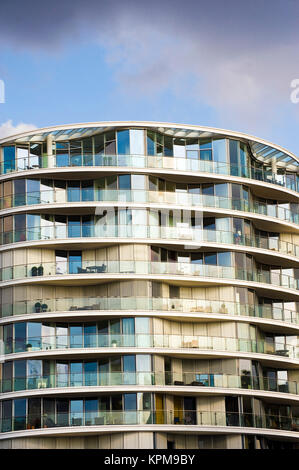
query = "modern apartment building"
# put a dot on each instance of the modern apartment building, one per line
(149, 289)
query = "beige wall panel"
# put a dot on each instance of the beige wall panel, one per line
(34, 255)
(219, 442)
(158, 326)
(104, 441)
(202, 365)
(200, 329)
(187, 329)
(20, 257)
(117, 441)
(141, 252)
(217, 404)
(216, 366)
(230, 366)
(175, 328)
(102, 290)
(212, 293)
(288, 237)
(161, 440)
(101, 254)
(131, 440)
(167, 327)
(177, 368)
(89, 255)
(126, 289)
(191, 442)
(158, 367)
(76, 443)
(113, 253)
(180, 441)
(234, 442)
(293, 375)
(214, 329)
(198, 293)
(186, 293)
(91, 442)
(227, 294)
(228, 329)
(114, 289)
(168, 403)
(48, 256)
(126, 252)
(165, 290)
(7, 259)
(7, 295)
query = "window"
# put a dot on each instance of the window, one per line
(9, 155)
(123, 142)
(62, 154)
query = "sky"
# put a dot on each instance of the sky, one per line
(227, 64)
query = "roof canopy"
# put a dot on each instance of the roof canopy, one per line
(263, 151)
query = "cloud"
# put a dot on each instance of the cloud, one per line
(7, 128)
(239, 57)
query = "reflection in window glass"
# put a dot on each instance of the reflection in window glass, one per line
(123, 142)
(62, 154)
(137, 142)
(9, 155)
(219, 150)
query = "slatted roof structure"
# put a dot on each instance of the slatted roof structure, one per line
(263, 151)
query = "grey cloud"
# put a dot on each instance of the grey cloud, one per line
(242, 55)
(40, 24)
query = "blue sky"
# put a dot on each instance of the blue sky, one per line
(161, 61)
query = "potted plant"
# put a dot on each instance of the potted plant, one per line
(38, 307)
(246, 379)
(114, 343)
(28, 347)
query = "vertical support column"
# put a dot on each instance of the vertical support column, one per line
(50, 151)
(274, 168)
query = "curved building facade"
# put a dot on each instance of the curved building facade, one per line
(149, 289)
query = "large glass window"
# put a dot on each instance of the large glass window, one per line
(20, 227)
(62, 410)
(76, 153)
(123, 142)
(19, 414)
(87, 190)
(20, 375)
(76, 374)
(91, 411)
(76, 336)
(20, 337)
(20, 192)
(9, 155)
(33, 192)
(62, 154)
(74, 226)
(137, 142)
(90, 373)
(34, 413)
(90, 335)
(34, 331)
(73, 191)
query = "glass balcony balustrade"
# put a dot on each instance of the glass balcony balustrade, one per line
(142, 196)
(149, 341)
(182, 232)
(151, 162)
(92, 267)
(271, 312)
(158, 417)
(100, 379)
